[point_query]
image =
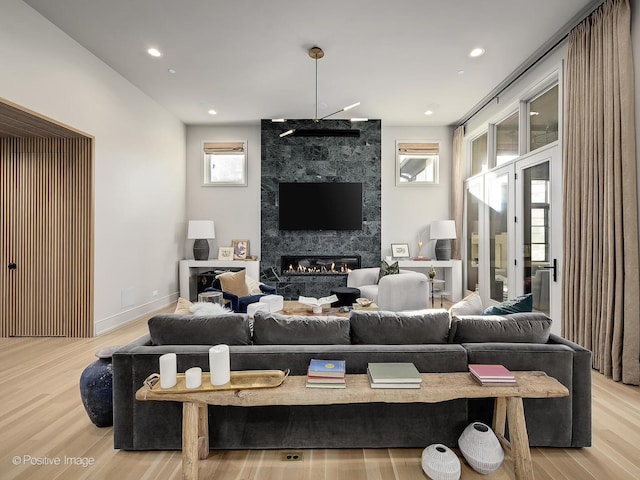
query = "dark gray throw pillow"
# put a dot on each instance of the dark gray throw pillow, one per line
(276, 329)
(176, 329)
(512, 328)
(399, 328)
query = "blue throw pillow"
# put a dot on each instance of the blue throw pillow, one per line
(516, 305)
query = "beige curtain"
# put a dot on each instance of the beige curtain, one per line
(457, 188)
(601, 279)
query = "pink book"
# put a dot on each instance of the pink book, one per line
(491, 372)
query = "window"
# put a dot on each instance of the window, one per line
(225, 164)
(479, 155)
(417, 163)
(507, 135)
(539, 220)
(543, 119)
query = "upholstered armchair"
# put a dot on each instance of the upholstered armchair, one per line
(236, 290)
(406, 290)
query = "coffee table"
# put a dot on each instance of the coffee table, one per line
(436, 387)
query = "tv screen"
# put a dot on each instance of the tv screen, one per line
(320, 206)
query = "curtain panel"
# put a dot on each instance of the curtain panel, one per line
(457, 189)
(600, 204)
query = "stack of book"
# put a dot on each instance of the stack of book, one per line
(326, 374)
(394, 375)
(492, 375)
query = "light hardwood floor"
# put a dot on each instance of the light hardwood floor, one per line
(42, 417)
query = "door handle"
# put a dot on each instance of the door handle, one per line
(12, 266)
(553, 267)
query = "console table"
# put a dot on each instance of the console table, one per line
(436, 387)
(189, 268)
(452, 273)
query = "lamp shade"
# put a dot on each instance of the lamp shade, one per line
(201, 229)
(443, 230)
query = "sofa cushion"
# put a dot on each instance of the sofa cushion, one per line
(513, 328)
(388, 269)
(172, 329)
(399, 328)
(276, 329)
(523, 303)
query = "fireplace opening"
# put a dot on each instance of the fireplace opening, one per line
(318, 264)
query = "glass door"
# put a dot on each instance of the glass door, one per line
(473, 204)
(499, 188)
(539, 230)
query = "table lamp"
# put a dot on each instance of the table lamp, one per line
(201, 231)
(443, 231)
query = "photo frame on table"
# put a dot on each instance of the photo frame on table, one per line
(400, 250)
(240, 249)
(225, 253)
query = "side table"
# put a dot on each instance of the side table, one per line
(213, 297)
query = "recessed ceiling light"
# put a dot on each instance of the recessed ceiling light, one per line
(429, 112)
(476, 52)
(154, 52)
(460, 72)
(211, 111)
(172, 71)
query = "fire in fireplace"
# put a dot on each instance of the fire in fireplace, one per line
(318, 264)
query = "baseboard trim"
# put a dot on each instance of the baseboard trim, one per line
(107, 324)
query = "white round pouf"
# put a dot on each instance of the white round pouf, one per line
(481, 448)
(440, 463)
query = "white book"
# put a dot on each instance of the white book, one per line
(391, 385)
(317, 302)
(326, 385)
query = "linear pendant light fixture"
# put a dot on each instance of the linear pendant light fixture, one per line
(317, 53)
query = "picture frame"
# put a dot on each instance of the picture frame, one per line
(240, 249)
(400, 250)
(225, 253)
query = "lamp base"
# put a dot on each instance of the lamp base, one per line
(443, 249)
(201, 249)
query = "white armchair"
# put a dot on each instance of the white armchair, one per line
(405, 291)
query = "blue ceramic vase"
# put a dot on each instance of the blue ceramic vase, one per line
(96, 388)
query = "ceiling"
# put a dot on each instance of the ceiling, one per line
(248, 60)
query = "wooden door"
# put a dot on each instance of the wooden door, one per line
(47, 237)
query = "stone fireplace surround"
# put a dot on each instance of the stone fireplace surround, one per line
(317, 159)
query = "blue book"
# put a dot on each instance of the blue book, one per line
(326, 368)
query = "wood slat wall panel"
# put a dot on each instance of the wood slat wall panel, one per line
(47, 229)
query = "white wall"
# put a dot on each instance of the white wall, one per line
(139, 159)
(234, 210)
(408, 211)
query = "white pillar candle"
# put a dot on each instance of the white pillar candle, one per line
(168, 370)
(219, 365)
(193, 377)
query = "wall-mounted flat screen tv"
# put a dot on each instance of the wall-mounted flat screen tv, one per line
(320, 206)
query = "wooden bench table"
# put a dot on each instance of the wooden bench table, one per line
(436, 387)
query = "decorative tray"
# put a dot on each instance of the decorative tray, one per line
(240, 380)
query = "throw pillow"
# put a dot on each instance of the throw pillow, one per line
(201, 309)
(386, 269)
(183, 306)
(520, 304)
(234, 282)
(469, 305)
(254, 286)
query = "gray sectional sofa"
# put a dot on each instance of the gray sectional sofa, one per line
(429, 338)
